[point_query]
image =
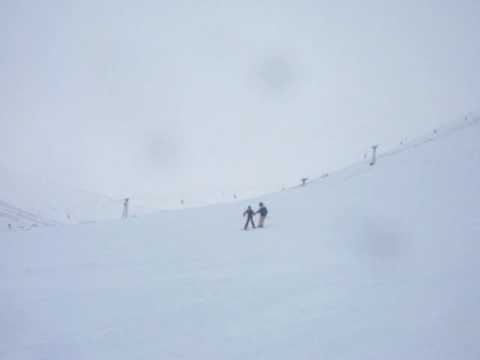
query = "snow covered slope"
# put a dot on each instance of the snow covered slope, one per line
(374, 263)
(20, 219)
(27, 200)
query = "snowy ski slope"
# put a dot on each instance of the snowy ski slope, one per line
(27, 201)
(370, 263)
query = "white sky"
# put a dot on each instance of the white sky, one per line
(135, 98)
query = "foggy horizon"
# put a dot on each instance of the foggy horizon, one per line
(159, 98)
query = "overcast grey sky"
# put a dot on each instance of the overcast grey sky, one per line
(156, 97)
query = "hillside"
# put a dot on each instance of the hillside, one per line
(374, 262)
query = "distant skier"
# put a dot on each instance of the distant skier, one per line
(263, 211)
(125, 208)
(249, 213)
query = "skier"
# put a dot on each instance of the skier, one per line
(250, 213)
(263, 211)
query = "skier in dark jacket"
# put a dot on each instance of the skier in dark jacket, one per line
(263, 211)
(249, 213)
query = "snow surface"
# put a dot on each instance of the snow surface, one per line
(377, 262)
(27, 200)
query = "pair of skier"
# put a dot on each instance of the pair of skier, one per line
(249, 213)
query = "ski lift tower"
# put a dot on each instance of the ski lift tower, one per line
(374, 155)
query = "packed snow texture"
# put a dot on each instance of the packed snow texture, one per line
(375, 262)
